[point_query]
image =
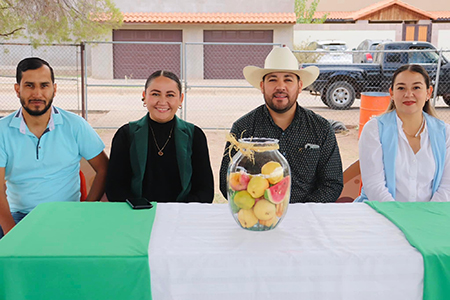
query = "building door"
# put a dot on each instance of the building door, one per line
(227, 61)
(417, 32)
(138, 61)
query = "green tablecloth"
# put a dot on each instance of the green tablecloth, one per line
(78, 251)
(426, 225)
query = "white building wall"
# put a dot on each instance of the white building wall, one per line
(352, 34)
(194, 53)
(441, 35)
(63, 59)
(284, 35)
(444, 39)
(102, 55)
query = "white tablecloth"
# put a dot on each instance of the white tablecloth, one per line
(319, 251)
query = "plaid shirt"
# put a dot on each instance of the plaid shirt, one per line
(316, 173)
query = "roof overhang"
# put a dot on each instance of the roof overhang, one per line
(210, 18)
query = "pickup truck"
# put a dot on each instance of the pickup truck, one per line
(340, 84)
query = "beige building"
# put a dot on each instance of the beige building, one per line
(346, 5)
(396, 20)
(192, 29)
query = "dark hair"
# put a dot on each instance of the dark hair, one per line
(413, 68)
(264, 77)
(428, 108)
(166, 74)
(32, 63)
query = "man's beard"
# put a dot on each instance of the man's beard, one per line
(269, 102)
(36, 113)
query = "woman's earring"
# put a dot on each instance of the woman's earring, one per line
(144, 105)
(180, 107)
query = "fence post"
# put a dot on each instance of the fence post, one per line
(438, 71)
(83, 86)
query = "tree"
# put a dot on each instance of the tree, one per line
(48, 21)
(305, 15)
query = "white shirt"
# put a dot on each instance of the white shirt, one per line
(414, 173)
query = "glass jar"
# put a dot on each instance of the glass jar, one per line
(259, 184)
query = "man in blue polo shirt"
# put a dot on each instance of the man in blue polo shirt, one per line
(41, 147)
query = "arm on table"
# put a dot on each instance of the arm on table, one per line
(6, 219)
(202, 189)
(371, 164)
(443, 192)
(100, 166)
(329, 180)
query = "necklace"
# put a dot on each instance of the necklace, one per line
(160, 150)
(418, 131)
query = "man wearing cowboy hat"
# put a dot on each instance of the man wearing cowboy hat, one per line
(306, 140)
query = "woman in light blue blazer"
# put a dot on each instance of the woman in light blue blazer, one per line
(404, 153)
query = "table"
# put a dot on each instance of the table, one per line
(197, 251)
(319, 251)
(77, 251)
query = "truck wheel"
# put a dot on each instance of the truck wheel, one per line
(446, 98)
(340, 95)
(323, 97)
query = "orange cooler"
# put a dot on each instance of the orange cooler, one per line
(372, 104)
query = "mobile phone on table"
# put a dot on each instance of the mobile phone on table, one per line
(139, 203)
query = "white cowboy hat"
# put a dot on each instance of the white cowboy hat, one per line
(280, 59)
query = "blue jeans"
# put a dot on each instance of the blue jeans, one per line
(17, 216)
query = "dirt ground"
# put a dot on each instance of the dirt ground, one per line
(347, 140)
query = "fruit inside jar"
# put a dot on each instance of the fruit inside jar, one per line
(258, 201)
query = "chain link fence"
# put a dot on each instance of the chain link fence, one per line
(116, 77)
(344, 78)
(216, 93)
(106, 79)
(65, 61)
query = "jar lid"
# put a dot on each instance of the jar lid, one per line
(256, 141)
(251, 145)
(248, 146)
